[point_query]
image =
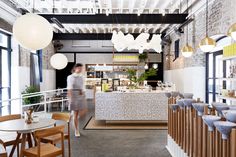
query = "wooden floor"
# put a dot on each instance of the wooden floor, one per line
(92, 124)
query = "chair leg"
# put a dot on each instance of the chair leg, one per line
(69, 149)
(18, 150)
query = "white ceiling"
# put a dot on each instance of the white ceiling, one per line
(105, 7)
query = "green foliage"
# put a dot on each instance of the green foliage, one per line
(31, 100)
(132, 75)
(142, 57)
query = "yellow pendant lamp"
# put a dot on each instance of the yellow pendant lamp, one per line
(207, 44)
(232, 31)
(187, 50)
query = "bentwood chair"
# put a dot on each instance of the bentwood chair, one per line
(9, 138)
(3, 152)
(65, 117)
(47, 149)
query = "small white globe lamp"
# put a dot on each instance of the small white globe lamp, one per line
(32, 31)
(155, 66)
(58, 61)
(146, 66)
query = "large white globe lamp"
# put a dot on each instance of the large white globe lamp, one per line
(32, 31)
(58, 61)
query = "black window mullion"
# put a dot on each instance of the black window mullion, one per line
(214, 77)
(1, 80)
(207, 78)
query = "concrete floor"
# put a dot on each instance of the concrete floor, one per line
(118, 143)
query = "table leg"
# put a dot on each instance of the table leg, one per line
(35, 141)
(15, 144)
(23, 141)
(29, 139)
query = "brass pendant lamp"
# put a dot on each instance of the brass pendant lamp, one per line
(207, 44)
(232, 31)
(187, 50)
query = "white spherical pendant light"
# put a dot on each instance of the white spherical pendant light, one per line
(58, 61)
(232, 31)
(146, 66)
(32, 31)
(155, 66)
(187, 51)
(207, 44)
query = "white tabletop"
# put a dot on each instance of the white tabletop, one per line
(20, 126)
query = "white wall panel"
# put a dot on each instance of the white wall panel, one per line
(188, 80)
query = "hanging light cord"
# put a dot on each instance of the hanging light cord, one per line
(206, 17)
(187, 24)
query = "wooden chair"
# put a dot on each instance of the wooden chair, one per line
(3, 152)
(46, 149)
(65, 117)
(9, 138)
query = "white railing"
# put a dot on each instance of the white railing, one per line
(46, 99)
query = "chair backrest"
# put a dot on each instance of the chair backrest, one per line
(61, 116)
(49, 131)
(10, 117)
(39, 134)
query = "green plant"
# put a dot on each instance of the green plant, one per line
(132, 75)
(31, 100)
(142, 57)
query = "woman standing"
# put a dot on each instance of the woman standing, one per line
(76, 89)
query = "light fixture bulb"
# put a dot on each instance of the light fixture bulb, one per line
(187, 51)
(140, 51)
(155, 66)
(32, 31)
(146, 66)
(207, 44)
(232, 31)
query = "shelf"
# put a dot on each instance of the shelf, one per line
(227, 98)
(229, 58)
(227, 79)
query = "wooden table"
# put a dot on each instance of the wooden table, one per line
(26, 130)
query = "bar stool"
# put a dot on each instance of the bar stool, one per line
(168, 95)
(224, 127)
(219, 107)
(180, 103)
(173, 121)
(209, 121)
(197, 150)
(230, 115)
(187, 95)
(188, 124)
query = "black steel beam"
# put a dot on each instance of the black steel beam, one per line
(87, 36)
(118, 18)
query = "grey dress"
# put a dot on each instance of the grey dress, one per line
(75, 82)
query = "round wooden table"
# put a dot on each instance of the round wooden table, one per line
(26, 130)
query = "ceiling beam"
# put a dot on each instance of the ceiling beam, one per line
(87, 36)
(119, 18)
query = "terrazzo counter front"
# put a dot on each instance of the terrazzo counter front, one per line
(140, 106)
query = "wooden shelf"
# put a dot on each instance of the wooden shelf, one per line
(229, 58)
(227, 98)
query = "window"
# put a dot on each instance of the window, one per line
(215, 70)
(5, 73)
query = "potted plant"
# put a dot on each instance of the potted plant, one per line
(137, 80)
(142, 57)
(31, 100)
